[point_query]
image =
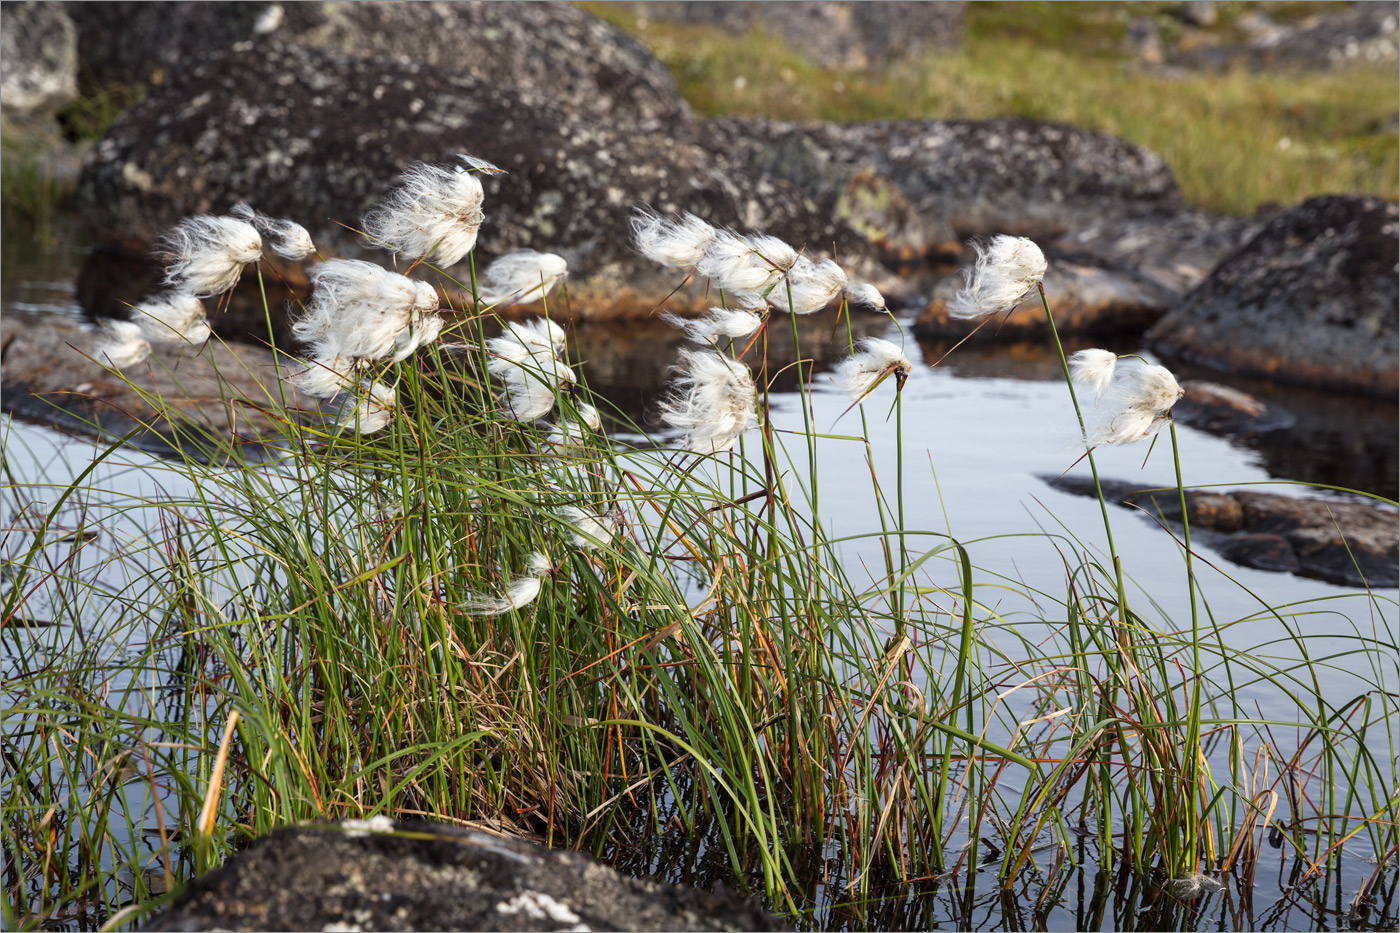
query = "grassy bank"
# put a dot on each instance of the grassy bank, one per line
(303, 639)
(1236, 141)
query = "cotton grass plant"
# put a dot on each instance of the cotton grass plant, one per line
(454, 595)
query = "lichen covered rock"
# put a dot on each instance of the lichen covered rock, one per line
(382, 875)
(319, 136)
(1311, 300)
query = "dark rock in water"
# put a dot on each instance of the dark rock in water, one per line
(1116, 275)
(1172, 251)
(1351, 543)
(319, 136)
(207, 402)
(38, 58)
(1260, 550)
(1218, 409)
(581, 62)
(964, 177)
(1311, 300)
(838, 35)
(383, 875)
(1084, 299)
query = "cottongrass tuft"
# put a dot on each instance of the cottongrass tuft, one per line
(433, 212)
(713, 402)
(1093, 368)
(588, 530)
(1006, 271)
(570, 431)
(122, 344)
(867, 296)
(719, 323)
(678, 244)
(358, 309)
(751, 265)
(521, 276)
(810, 286)
(206, 254)
(1137, 403)
(872, 363)
(526, 358)
(520, 591)
(288, 239)
(371, 413)
(172, 317)
(325, 377)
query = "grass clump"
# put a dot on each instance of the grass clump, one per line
(406, 620)
(1236, 141)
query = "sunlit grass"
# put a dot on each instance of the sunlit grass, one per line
(1235, 141)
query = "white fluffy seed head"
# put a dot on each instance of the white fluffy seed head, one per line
(325, 378)
(1006, 271)
(751, 265)
(477, 164)
(1137, 403)
(288, 239)
(865, 295)
(357, 310)
(172, 317)
(419, 333)
(679, 244)
(370, 413)
(121, 345)
(1093, 368)
(433, 212)
(718, 324)
(810, 287)
(872, 363)
(521, 276)
(520, 591)
(569, 431)
(589, 530)
(206, 254)
(713, 401)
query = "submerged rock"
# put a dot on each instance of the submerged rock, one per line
(207, 402)
(1352, 543)
(1219, 409)
(1310, 300)
(380, 874)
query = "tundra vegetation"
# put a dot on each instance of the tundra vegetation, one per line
(464, 589)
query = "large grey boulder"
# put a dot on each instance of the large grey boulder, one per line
(38, 58)
(383, 875)
(1311, 300)
(1335, 36)
(838, 35)
(319, 136)
(960, 177)
(580, 61)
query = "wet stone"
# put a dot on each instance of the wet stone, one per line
(380, 874)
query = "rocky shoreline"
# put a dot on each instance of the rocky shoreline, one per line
(310, 111)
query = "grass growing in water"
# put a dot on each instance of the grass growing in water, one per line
(716, 672)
